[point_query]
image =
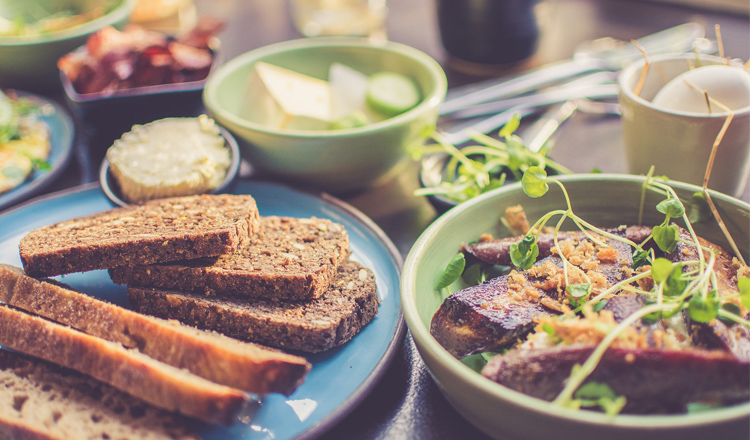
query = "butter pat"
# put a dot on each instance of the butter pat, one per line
(168, 158)
(282, 99)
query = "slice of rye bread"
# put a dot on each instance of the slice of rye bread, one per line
(157, 231)
(334, 318)
(288, 258)
(39, 400)
(127, 370)
(210, 355)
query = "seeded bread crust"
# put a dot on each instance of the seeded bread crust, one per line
(156, 231)
(127, 370)
(210, 355)
(288, 258)
(42, 401)
(313, 326)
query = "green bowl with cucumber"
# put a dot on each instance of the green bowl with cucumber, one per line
(335, 113)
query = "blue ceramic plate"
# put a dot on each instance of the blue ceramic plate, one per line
(340, 378)
(61, 139)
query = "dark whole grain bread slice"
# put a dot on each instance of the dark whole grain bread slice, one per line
(140, 376)
(210, 355)
(288, 258)
(313, 326)
(39, 400)
(156, 231)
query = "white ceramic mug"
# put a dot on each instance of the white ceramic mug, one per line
(678, 144)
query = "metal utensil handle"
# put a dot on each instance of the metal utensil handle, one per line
(676, 39)
(533, 80)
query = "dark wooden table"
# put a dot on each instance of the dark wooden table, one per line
(407, 403)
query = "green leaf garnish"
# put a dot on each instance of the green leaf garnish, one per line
(676, 284)
(452, 272)
(744, 285)
(576, 302)
(600, 305)
(730, 308)
(701, 310)
(666, 237)
(673, 208)
(534, 182)
(600, 394)
(473, 275)
(661, 269)
(640, 258)
(579, 290)
(40, 164)
(524, 254)
(548, 329)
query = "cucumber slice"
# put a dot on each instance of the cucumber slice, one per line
(391, 93)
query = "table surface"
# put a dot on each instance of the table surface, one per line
(407, 402)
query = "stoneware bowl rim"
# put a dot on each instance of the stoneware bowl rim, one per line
(119, 12)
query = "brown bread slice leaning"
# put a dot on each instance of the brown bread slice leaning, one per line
(157, 231)
(333, 319)
(127, 370)
(289, 258)
(213, 356)
(39, 400)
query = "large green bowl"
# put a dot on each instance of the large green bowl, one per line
(606, 201)
(331, 160)
(30, 61)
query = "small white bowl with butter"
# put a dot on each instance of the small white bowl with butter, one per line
(169, 158)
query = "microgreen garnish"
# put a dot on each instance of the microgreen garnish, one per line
(473, 275)
(534, 182)
(640, 258)
(581, 290)
(524, 254)
(598, 394)
(452, 271)
(729, 309)
(672, 208)
(666, 237)
(600, 305)
(703, 309)
(484, 166)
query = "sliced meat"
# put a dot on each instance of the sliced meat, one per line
(652, 381)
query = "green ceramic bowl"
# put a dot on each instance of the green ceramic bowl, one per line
(30, 61)
(606, 201)
(331, 160)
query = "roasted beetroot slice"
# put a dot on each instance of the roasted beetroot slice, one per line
(465, 323)
(715, 333)
(498, 251)
(652, 381)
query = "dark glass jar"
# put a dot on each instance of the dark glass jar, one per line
(488, 31)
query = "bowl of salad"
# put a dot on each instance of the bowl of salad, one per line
(35, 33)
(578, 306)
(335, 113)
